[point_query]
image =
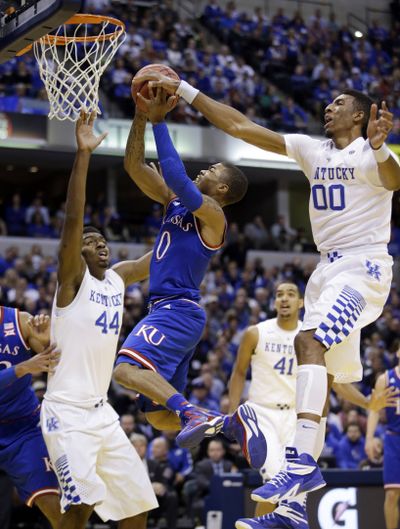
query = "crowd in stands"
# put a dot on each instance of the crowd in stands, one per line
(235, 294)
(311, 61)
(36, 220)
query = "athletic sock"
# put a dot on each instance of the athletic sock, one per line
(182, 407)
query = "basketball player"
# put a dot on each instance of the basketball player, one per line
(154, 359)
(269, 348)
(391, 449)
(23, 454)
(96, 465)
(352, 176)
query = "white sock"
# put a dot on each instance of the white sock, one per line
(312, 387)
(306, 436)
(320, 442)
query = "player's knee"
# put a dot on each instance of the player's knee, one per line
(308, 350)
(164, 420)
(124, 374)
(392, 496)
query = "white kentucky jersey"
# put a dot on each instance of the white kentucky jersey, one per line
(86, 332)
(349, 206)
(274, 366)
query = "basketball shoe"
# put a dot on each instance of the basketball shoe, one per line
(301, 474)
(291, 515)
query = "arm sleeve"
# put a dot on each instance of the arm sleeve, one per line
(7, 377)
(173, 170)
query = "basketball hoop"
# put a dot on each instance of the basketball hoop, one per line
(72, 61)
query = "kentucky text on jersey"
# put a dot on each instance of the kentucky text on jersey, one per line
(334, 173)
(107, 301)
(283, 348)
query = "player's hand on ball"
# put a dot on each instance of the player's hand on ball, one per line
(158, 80)
(158, 104)
(86, 139)
(379, 125)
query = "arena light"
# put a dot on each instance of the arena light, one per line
(358, 34)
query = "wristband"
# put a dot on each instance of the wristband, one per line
(382, 153)
(187, 91)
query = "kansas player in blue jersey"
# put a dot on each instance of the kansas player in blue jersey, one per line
(23, 454)
(154, 359)
(391, 449)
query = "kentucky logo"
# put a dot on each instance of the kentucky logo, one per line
(373, 270)
(51, 424)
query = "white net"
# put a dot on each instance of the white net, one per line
(72, 61)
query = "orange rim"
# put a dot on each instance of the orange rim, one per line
(81, 19)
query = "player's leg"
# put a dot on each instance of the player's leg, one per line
(152, 353)
(129, 492)
(76, 517)
(391, 479)
(391, 508)
(50, 507)
(135, 522)
(73, 439)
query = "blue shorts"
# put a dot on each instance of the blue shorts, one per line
(164, 341)
(24, 457)
(391, 460)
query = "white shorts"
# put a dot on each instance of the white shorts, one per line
(279, 427)
(346, 292)
(94, 461)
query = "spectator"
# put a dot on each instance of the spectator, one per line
(350, 449)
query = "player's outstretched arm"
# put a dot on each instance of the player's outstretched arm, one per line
(379, 126)
(221, 116)
(236, 383)
(372, 423)
(133, 271)
(379, 399)
(71, 265)
(145, 177)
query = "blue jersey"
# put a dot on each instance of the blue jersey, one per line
(393, 414)
(180, 256)
(17, 400)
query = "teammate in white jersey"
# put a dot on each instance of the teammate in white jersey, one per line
(268, 348)
(352, 176)
(96, 465)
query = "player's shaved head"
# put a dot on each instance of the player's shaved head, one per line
(91, 229)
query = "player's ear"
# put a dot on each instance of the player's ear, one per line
(358, 117)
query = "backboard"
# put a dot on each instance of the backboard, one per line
(30, 20)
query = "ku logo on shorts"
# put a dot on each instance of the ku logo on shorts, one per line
(151, 334)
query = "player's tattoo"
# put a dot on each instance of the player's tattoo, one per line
(134, 151)
(210, 202)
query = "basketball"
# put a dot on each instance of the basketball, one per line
(143, 88)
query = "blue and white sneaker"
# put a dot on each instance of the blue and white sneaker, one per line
(198, 425)
(301, 474)
(291, 515)
(243, 427)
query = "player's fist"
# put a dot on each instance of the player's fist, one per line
(44, 362)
